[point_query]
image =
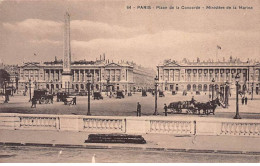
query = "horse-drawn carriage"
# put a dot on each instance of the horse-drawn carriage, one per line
(161, 94)
(194, 107)
(97, 95)
(61, 96)
(119, 94)
(144, 93)
(42, 96)
(180, 106)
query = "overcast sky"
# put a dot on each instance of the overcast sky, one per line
(143, 36)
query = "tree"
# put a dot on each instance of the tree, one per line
(4, 76)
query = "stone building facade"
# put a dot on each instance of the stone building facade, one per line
(104, 74)
(199, 76)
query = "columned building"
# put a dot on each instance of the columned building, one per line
(104, 74)
(201, 76)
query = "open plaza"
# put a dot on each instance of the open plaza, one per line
(127, 106)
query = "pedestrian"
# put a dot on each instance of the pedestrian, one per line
(33, 102)
(243, 100)
(74, 101)
(165, 109)
(138, 109)
(246, 100)
(51, 99)
(192, 99)
(6, 98)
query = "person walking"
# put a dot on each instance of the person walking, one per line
(33, 102)
(246, 100)
(74, 101)
(138, 109)
(243, 100)
(165, 109)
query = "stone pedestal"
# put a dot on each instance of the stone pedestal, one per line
(137, 126)
(66, 78)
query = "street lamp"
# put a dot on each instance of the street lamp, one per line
(213, 80)
(237, 110)
(16, 84)
(107, 85)
(156, 85)
(30, 90)
(226, 94)
(68, 88)
(88, 79)
(12, 88)
(6, 95)
(252, 91)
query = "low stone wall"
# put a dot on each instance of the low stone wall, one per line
(131, 125)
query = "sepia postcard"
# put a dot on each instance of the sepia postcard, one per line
(129, 81)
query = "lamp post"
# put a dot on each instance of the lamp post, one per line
(16, 84)
(252, 93)
(30, 90)
(213, 80)
(12, 88)
(237, 109)
(6, 95)
(252, 86)
(156, 85)
(68, 88)
(226, 94)
(88, 79)
(107, 84)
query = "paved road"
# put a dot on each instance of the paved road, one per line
(69, 155)
(123, 107)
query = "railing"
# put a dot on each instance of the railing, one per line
(38, 122)
(234, 128)
(129, 125)
(104, 125)
(171, 127)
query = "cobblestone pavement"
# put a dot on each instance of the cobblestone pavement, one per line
(124, 107)
(157, 142)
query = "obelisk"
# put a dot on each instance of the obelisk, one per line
(66, 74)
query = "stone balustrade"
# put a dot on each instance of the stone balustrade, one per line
(104, 125)
(241, 129)
(131, 125)
(171, 127)
(38, 122)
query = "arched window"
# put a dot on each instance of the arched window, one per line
(200, 87)
(194, 87)
(205, 87)
(188, 87)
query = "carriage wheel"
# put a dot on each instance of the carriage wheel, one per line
(42, 100)
(46, 101)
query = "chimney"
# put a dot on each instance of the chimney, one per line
(104, 56)
(100, 57)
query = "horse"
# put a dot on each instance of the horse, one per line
(212, 105)
(206, 107)
(201, 106)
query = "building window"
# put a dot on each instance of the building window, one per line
(194, 87)
(188, 87)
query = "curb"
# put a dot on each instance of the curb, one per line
(131, 148)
